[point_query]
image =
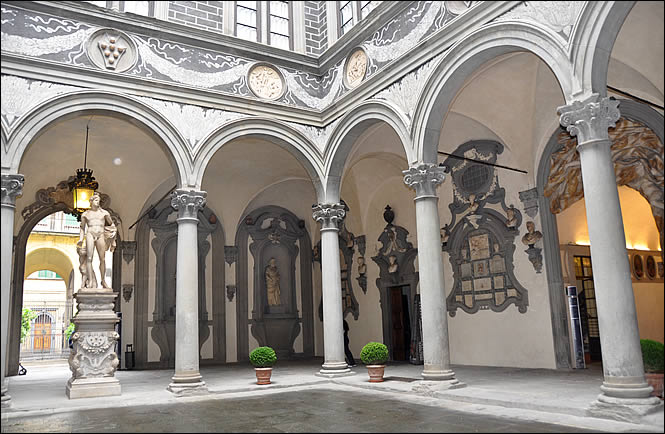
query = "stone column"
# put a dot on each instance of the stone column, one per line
(330, 216)
(12, 186)
(187, 379)
(424, 179)
(624, 384)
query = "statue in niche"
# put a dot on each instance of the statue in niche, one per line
(393, 243)
(362, 267)
(532, 236)
(272, 283)
(511, 221)
(99, 233)
(392, 264)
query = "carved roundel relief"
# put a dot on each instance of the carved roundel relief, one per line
(112, 50)
(266, 82)
(355, 68)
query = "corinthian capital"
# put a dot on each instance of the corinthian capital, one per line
(188, 202)
(330, 215)
(589, 119)
(12, 186)
(424, 178)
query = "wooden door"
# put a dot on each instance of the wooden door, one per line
(398, 325)
(42, 333)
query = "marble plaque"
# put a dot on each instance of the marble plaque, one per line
(480, 269)
(498, 265)
(465, 269)
(498, 282)
(483, 296)
(482, 284)
(479, 247)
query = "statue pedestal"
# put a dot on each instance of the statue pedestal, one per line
(93, 360)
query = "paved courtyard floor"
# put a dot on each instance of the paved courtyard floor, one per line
(494, 400)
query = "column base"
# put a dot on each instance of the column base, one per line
(429, 388)
(334, 369)
(433, 374)
(187, 385)
(6, 401)
(92, 387)
(633, 410)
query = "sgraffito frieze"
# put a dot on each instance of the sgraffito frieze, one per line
(560, 16)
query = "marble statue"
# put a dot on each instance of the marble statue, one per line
(98, 231)
(272, 283)
(532, 236)
(511, 221)
(362, 267)
(392, 266)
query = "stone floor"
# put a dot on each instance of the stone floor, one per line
(495, 400)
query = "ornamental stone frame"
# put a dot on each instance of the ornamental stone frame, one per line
(163, 327)
(287, 325)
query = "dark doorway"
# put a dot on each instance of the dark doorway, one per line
(400, 323)
(588, 312)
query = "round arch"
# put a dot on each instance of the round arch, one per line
(273, 131)
(468, 55)
(345, 134)
(593, 39)
(38, 119)
(48, 258)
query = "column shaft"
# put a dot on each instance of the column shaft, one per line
(333, 332)
(12, 186)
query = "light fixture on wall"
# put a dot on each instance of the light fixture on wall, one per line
(84, 185)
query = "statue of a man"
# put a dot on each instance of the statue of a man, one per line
(99, 233)
(532, 236)
(272, 283)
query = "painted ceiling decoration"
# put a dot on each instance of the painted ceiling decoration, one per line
(638, 163)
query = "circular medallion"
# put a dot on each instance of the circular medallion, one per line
(651, 267)
(638, 266)
(112, 50)
(266, 82)
(356, 68)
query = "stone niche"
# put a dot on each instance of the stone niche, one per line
(276, 235)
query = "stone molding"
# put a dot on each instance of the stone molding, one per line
(188, 203)
(590, 119)
(424, 178)
(12, 186)
(329, 215)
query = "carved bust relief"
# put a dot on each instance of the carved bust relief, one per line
(356, 68)
(266, 82)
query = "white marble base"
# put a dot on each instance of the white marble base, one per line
(92, 387)
(334, 369)
(636, 410)
(188, 389)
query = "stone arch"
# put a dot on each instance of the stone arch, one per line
(61, 263)
(592, 42)
(275, 132)
(350, 127)
(552, 258)
(469, 54)
(34, 122)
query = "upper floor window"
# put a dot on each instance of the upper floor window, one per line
(157, 9)
(247, 20)
(279, 26)
(351, 12)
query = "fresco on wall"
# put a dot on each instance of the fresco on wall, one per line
(480, 239)
(638, 163)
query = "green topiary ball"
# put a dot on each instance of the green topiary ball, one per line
(263, 357)
(652, 355)
(374, 353)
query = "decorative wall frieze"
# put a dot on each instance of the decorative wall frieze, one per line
(424, 178)
(20, 95)
(560, 16)
(188, 202)
(194, 122)
(406, 93)
(12, 186)
(590, 119)
(329, 215)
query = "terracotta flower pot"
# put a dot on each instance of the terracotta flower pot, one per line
(375, 373)
(655, 380)
(263, 375)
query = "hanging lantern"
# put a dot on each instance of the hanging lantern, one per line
(84, 185)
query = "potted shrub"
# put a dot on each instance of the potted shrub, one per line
(263, 358)
(374, 355)
(652, 356)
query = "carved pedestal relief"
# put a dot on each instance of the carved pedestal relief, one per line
(480, 239)
(277, 241)
(397, 284)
